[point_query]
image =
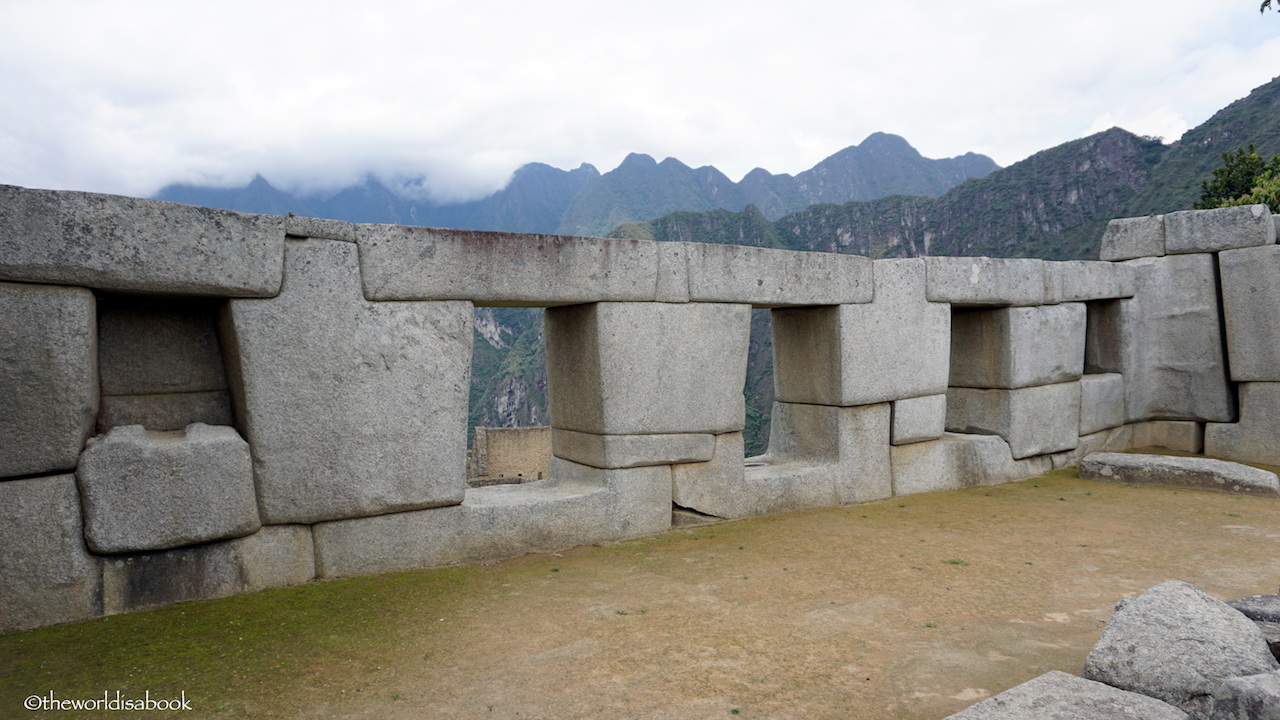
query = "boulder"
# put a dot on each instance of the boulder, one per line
(1255, 697)
(1059, 696)
(1264, 608)
(1181, 472)
(1176, 643)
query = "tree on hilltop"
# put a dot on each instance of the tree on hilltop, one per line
(1244, 179)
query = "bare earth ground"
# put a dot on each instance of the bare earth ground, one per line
(909, 608)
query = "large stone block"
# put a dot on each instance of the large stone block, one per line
(919, 419)
(1180, 435)
(819, 456)
(1172, 354)
(319, 228)
(894, 347)
(147, 490)
(985, 281)
(48, 376)
(1193, 473)
(1116, 439)
(1176, 643)
(1017, 347)
(275, 556)
(1034, 420)
(624, 451)
(47, 575)
(1254, 438)
(119, 243)
(1101, 402)
(493, 268)
(577, 505)
(647, 368)
(152, 345)
(1129, 238)
(765, 277)
(1253, 697)
(352, 407)
(1251, 304)
(1084, 280)
(1059, 696)
(165, 411)
(1199, 231)
(957, 461)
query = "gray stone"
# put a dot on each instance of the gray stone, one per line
(147, 490)
(152, 345)
(957, 461)
(504, 269)
(673, 272)
(1129, 238)
(1101, 402)
(118, 243)
(48, 376)
(1180, 435)
(1270, 631)
(1059, 696)
(1034, 420)
(624, 451)
(765, 277)
(1251, 305)
(1116, 439)
(1255, 697)
(1081, 280)
(319, 228)
(275, 556)
(351, 407)
(1182, 472)
(1264, 608)
(1173, 356)
(919, 419)
(1196, 231)
(895, 347)
(47, 575)
(819, 456)
(1017, 347)
(647, 368)
(1176, 643)
(985, 281)
(1253, 439)
(577, 505)
(168, 411)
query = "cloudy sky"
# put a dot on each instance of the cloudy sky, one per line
(128, 95)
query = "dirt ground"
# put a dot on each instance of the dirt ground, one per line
(910, 608)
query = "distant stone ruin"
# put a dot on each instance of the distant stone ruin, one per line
(199, 403)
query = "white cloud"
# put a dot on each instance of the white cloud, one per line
(129, 95)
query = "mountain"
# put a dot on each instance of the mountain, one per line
(543, 199)
(1053, 205)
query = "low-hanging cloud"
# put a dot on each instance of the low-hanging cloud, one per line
(128, 96)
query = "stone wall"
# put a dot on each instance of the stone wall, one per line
(200, 403)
